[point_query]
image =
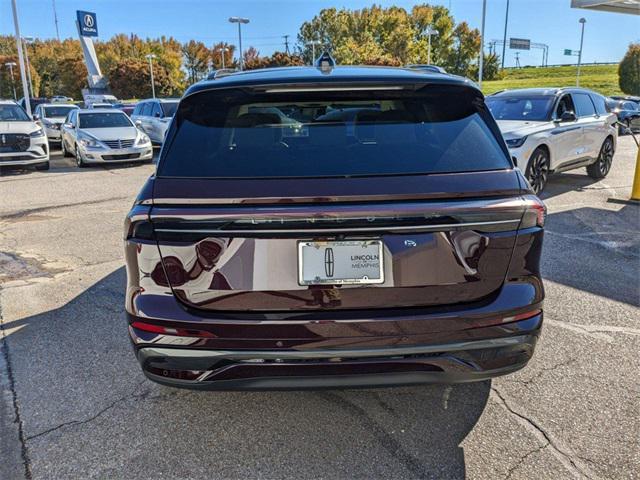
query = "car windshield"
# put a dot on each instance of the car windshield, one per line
(104, 120)
(50, 112)
(331, 133)
(169, 108)
(13, 113)
(535, 109)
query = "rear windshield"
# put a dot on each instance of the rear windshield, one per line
(104, 120)
(247, 134)
(535, 109)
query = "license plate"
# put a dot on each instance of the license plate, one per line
(340, 263)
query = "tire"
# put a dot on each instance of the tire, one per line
(43, 166)
(65, 152)
(79, 162)
(602, 165)
(537, 172)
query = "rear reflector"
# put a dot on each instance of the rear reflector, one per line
(179, 332)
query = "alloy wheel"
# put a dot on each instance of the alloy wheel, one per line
(606, 157)
(538, 171)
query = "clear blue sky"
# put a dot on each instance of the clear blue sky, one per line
(553, 22)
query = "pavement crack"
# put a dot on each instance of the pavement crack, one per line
(567, 458)
(519, 463)
(542, 371)
(6, 354)
(600, 332)
(31, 211)
(90, 419)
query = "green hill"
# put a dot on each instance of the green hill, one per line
(601, 78)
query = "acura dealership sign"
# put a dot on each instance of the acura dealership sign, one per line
(88, 23)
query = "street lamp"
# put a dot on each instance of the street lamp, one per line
(25, 42)
(239, 21)
(582, 21)
(150, 57)
(223, 50)
(313, 44)
(429, 31)
(13, 83)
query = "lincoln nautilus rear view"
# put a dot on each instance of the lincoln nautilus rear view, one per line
(315, 227)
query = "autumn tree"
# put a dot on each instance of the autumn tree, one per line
(629, 71)
(196, 60)
(132, 79)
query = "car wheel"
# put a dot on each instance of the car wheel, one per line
(79, 160)
(43, 166)
(538, 170)
(65, 152)
(601, 167)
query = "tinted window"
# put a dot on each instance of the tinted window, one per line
(600, 104)
(239, 134)
(565, 104)
(13, 113)
(136, 110)
(169, 108)
(584, 105)
(629, 106)
(104, 120)
(520, 108)
(57, 111)
(146, 109)
(155, 110)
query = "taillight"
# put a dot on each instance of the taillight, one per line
(179, 332)
(140, 230)
(535, 212)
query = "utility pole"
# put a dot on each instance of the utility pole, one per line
(239, 21)
(582, 21)
(150, 57)
(504, 39)
(13, 81)
(26, 41)
(313, 44)
(481, 61)
(55, 19)
(286, 43)
(517, 59)
(23, 73)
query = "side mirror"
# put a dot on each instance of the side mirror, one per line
(138, 124)
(157, 114)
(67, 125)
(35, 117)
(568, 116)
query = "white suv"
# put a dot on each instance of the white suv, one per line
(552, 130)
(22, 141)
(154, 116)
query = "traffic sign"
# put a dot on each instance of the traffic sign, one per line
(520, 44)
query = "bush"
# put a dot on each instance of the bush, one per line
(629, 71)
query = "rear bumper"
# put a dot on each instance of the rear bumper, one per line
(503, 351)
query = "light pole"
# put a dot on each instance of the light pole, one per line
(23, 74)
(582, 21)
(481, 60)
(429, 31)
(13, 82)
(26, 41)
(223, 50)
(504, 39)
(239, 21)
(150, 57)
(313, 44)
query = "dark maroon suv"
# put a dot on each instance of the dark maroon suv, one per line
(331, 227)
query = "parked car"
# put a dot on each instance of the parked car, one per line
(101, 98)
(61, 99)
(627, 113)
(401, 248)
(101, 136)
(101, 105)
(154, 115)
(51, 117)
(22, 141)
(33, 101)
(552, 130)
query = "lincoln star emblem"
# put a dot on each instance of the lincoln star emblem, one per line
(88, 21)
(328, 262)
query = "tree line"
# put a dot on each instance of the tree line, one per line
(369, 36)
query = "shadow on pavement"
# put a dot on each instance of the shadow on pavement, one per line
(81, 390)
(566, 182)
(595, 250)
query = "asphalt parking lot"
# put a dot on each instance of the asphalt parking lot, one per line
(74, 403)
